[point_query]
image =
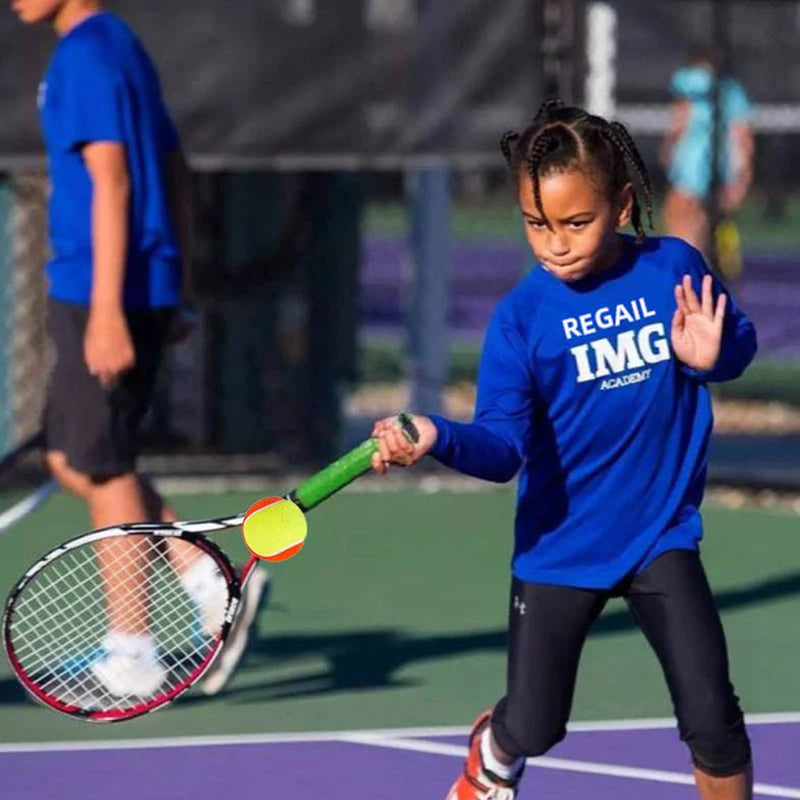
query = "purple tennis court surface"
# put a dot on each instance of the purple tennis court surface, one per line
(602, 762)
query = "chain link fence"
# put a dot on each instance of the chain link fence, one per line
(24, 351)
(305, 278)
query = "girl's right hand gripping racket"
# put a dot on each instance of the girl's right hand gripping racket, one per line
(121, 621)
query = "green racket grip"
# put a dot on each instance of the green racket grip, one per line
(344, 470)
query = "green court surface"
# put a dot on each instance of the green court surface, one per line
(394, 614)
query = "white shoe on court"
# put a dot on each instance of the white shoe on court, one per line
(256, 592)
(129, 666)
(208, 589)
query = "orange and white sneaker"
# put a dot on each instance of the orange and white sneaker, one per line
(476, 782)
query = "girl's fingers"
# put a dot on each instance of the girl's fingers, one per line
(401, 449)
(707, 303)
(383, 450)
(378, 465)
(678, 319)
(719, 311)
(680, 299)
(382, 425)
(692, 303)
(402, 441)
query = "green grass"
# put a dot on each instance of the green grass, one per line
(394, 614)
(383, 361)
(766, 380)
(498, 218)
(492, 220)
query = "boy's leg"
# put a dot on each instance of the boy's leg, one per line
(79, 484)
(114, 501)
(69, 479)
(92, 440)
(548, 626)
(673, 605)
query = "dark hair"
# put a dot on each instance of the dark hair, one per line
(561, 138)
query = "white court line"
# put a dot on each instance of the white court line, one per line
(569, 765)
(222, 740)
(27, 505)
(774, 718)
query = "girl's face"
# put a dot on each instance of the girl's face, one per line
(579, 235)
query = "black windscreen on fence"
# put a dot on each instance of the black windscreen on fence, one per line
(257, 82)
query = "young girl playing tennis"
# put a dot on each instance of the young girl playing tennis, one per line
(593, 383)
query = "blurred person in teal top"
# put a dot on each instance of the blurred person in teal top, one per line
(687, 149)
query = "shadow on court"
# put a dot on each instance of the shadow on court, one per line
(368, 660)
(12, 693)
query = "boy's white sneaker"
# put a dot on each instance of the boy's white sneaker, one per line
(255, 592)
(129, 666)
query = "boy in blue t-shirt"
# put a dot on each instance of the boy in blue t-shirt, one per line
(120, 230)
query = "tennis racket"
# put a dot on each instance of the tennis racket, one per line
(121, 621)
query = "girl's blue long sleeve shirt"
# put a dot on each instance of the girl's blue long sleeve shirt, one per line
(579, 389)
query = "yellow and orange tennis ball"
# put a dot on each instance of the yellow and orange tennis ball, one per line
(274, 529)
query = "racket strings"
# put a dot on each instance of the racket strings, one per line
(169, 637)
(64, 620)
(78, 576)
(75, 574)
(54, 611)
(36, 618)
(94, 625)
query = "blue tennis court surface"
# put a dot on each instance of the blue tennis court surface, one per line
(602, 761)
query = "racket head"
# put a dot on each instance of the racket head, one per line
(59, 620)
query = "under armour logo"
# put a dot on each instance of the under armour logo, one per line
(520, 606)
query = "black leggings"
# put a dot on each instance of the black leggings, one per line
(672, 604)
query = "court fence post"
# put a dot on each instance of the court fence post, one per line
(429, 205)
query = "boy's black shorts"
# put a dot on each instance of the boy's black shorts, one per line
(98, 428)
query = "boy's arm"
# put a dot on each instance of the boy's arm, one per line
(178, 180)
(108, 348)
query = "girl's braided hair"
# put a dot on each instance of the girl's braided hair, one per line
(560, 138)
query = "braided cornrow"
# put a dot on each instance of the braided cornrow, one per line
(628, 145)
(561, 138)
(544, 142)
(505, 145)
(631, 164)
(546, 108)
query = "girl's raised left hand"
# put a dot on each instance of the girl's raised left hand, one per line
(697, 324)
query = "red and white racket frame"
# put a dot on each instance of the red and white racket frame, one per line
(192, 532)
